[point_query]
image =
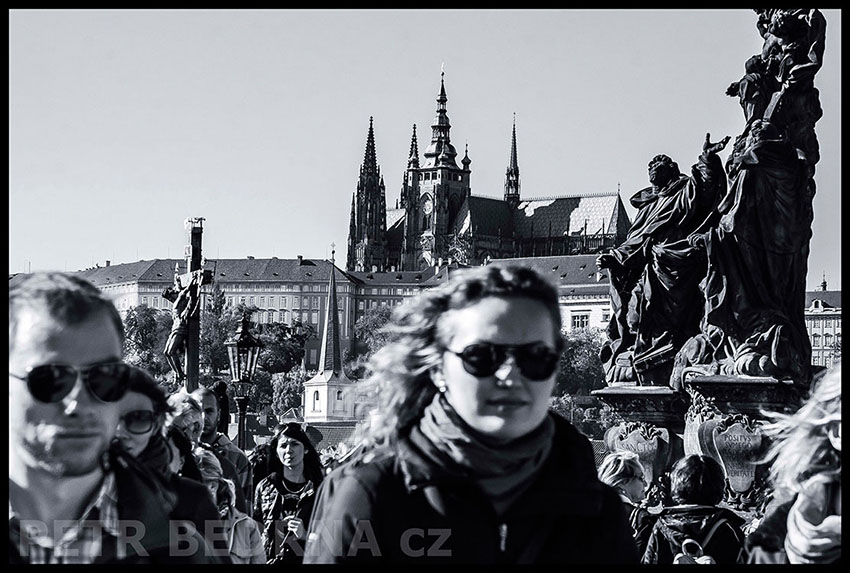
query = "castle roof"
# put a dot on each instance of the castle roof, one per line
(593, 213)
(574, 274)
(828, 298)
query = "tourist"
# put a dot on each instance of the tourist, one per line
(221, 444)
(284, 499)
(73, 494)
(803, 521)
(697, 485)
(463, 461)
(141, 433)
(188, 417)
(624, 472)
(236, 532)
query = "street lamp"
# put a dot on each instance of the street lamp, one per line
(242, 352)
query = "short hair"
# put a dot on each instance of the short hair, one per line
(183, 403)
(401, 371)
(697, 479)
(202, 392)
(67, 299)
(619, 468)
(208, 464)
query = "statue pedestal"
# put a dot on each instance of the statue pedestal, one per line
(724, 421)
(653, 422)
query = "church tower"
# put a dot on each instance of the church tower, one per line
(512, 174)
(432, 193)
(367, 230)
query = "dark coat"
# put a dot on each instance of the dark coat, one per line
(194, 503)
(767, 543)
(272, 502)
(143, 497)
(680, 522)
(641, 522)
(393, 503)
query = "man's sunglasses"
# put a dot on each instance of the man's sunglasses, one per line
(138, 421)
(49, 383)
(536, 361)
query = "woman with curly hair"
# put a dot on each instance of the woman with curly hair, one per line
(463, 461)
(803, 521)
(284, 499)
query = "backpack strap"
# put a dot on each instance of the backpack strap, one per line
(711, 531)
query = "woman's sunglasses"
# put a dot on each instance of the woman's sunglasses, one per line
(536, 361)
(50, 383)
(138, 421)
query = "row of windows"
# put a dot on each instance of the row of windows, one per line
(825, 341)
(818, 322)
(297, 301)
(582, 319)
(825, 358)
(390, 290)
(364, 304)
(429, 176)
(284, 287)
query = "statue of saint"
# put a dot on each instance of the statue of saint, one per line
(655, 272)
(185, 303)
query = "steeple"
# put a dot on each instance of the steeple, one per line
(370, 160)
(466, 160)
(413, 156)
(440, 129)
(512, 173)
(352, 235)
(823, 284)
(330, 357)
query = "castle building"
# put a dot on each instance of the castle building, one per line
(438, 218)
(823, 323)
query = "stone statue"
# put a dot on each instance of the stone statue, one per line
(655, 272)
(754, 290)
(185, 303)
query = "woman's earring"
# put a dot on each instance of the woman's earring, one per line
(439, 382)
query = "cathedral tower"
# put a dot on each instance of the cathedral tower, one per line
(432, 193)
(367, 240)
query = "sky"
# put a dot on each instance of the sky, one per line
(124, 123)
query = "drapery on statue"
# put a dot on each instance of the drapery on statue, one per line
(655, 272)
(753, 320)
(185, 303)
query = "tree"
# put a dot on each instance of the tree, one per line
(368, 327)
(218, 324)
(146, 330)
(580, 369)
(287, 389)
(284, 346)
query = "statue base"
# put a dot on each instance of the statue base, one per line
(724, 421)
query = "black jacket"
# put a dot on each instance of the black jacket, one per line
(392, 504)
(680, 522)
(272, 502)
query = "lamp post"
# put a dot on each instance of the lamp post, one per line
(242, 352)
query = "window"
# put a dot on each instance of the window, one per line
(242, 299)
(295, 302)
(145, 300)
(383, 291)
(360, 305)
(314, 317)
(827, 322)
(581, 320)
(827, 341)
(606, 316)
(306, 303)
(316, 401)
(262, 301)
(339, 395)
(230, 301)
(251, 300)
(283, 302)
(816, 341)
(155, 302)
(315, 302)
(283, 316)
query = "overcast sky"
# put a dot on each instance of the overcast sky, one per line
(124, 123)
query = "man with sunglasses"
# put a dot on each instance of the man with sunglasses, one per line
(72, 498)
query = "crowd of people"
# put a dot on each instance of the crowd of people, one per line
(462, 462)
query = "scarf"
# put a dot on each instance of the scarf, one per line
(502, 470)
(814, 533)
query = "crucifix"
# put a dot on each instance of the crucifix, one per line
(182, 347)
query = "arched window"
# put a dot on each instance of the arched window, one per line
(816, 341)
(339, 395)
(316, 401)
(827, 341)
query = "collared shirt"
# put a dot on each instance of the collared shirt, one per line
(82, 540)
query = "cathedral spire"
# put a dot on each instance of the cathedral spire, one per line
(512, 185)
(370, 160)
(330, 356)
(440, 133)
(413, 156)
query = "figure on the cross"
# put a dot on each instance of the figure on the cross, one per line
(185, 303)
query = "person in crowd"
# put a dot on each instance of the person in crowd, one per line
(238, 533)
(697, 485)
(188, 417)
(284, 499)
(141, 433)
(802, 523)
(464, 462)
(72, 489)
(623, 471)
(221, 444)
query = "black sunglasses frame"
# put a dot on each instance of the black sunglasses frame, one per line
(149, 420)
(499, 353)
(36, 379)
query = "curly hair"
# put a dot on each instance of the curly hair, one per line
(400, 372)
(801, 445)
